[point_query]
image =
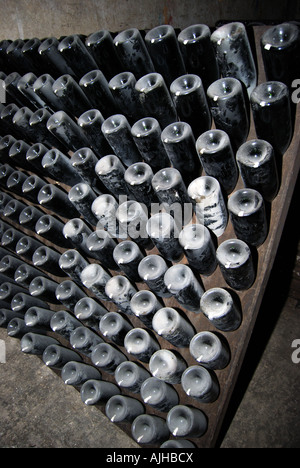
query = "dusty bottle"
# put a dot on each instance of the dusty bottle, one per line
(64, 323)
(33, 343)
(257, 164)
(59, 166)
(68, 293)
(47, 259)
(84, 340)
(6, 315)
(90, 123)
(104, 208)
(159, 394)
(74, 100)
(122, 87)
(188, 94)
(144, 304)
(84, 162)
(185, 287)
(146, 133)
(209, 350)
(43, 87)
(82, 196)
(17, 328)
(155, 98)
(220, 309)
(102, 48)
(173, 327)
(201, 384)
(67, 131)
(110, 170)
(229, 109)
(121, 408)
(132, 217)
(51, 228)
(138, 178)
(89, 312)
(101, 246)
(248, 216)
(148, 429)
(77, 373)
(95, 278)
(114, 327)
(31, 187)
(10, 238)
(117, 132)
(77, 232)
(152, 270)
(184, 421)
(15, 182)
(25, 86)
(167, 366)
(140, 344)
(164, 50)
(236, 264)
(9, 264)
(234, 55)
(120, 291)
(76, 55)
(209, 204)
(29, 217)
(53, 198)
(198, 53)
(22, 302)
(8, 290)
(107, 358)
(217, 158)
(57, 356)
(161, 228)
(96, 87)
(35, 155)
(98, 392)
(199, 249)
(44, 288)
(38, 123)
(130, 376)
(38, 317)
(127, 256)
(24, 274)
(72, 263)
(49, 50)
(133, 52)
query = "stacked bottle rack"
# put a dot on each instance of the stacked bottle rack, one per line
(80, 306)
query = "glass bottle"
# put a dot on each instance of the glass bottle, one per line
(127, 256)
(38, 317)
(280, 46)
(77, 231)
(144, 304)
(68, 293)
(164, 50)
(98, 392)
(104, 208)
(138, 178)
(146, 133)
(229, 110)
(120, 291)
(236, 264)
(67, 131)
(43, 88)
(44, 288)
(219, 308)
(201, 384)
(76, 55)
(188, 94)
(139, 343)
(120, 408)
(184, 421)
(173, 327)
(122, 87)
(17, 155)
(25, 86)
(15, 184)
(95, 278)
(49, 50)
(217, 158)
(35, 155)
(90, 123)
(29, 217)
(133, 52)
(234, 55)
(167, 366)
(271, 109)
(84, 340)
(152, 270)
(53, 198)
(133, 217)
(149, 429)
(59, 167)
(159, 394)
(31, 187)
(248, 216)
(34, 343)
(198, 53)
(64, 323)
(47, 259)
(6, 315)
(38, 123)
(107, 358)
(155, 99)
(26, 247)
(24, 274)
(101, 246)
(110, 171)
(95, 86)
(130, 376)
(117, 132)
(51, 229)
(56, 356)
(10, 239)
(74, 100)
(89, 312)
(9, 264)
(210, 350)
(5, 171)
(114, 327)
(101, 46)
(257, 165)
(8, 290)
(161, 228)
(84, 162)
(82, 196)
(72, 263)
(209, 204)
(185, 287)
(77, 373)
(179, 143)
(17, 328)
(12, 211)
(199, 249)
